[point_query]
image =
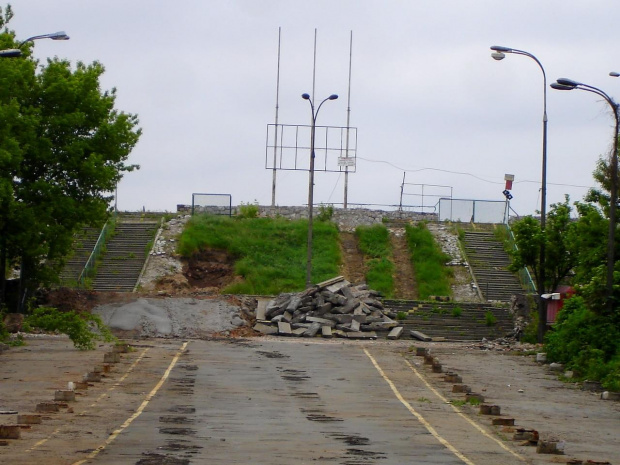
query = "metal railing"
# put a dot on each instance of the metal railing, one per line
(524, 274)
(89, 266)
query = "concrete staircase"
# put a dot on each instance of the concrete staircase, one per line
(126, 252)
(489, 264)
(453, 321)
(83, 246)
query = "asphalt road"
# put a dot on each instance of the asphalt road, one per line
(291, 402)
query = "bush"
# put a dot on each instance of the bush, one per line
(457, 312)
(587, 343)
(326, 212)
(489, 318)
(83, 328)
(248, 210)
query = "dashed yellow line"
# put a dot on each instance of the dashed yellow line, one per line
(127, 373)
(419, 417)
(462, 415)
(139, 411)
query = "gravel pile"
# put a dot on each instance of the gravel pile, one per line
(333, 308)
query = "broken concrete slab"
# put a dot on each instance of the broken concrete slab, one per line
(326, 332)
(420, 336)
(362, 335)
(265, 329)
(395, 333)
(312, 330)
(284, 328)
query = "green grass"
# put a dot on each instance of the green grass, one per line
(374, 243)
(431, 274)
(270, 253)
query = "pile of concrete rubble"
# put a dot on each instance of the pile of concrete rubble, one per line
(332, 308)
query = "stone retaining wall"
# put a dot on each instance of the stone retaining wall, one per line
(345, 219)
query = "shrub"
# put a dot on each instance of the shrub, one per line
(489, 318)
(83, 328)
(248, 210)
(401, 316)
(326, 212)
(457, 312)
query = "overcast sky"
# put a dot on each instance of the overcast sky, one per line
(426, 96)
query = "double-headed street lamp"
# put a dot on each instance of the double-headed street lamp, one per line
(315, 113)
(16, 52)
(499, 53)
(569, 84)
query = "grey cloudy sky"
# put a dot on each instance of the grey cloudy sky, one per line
(426, 96)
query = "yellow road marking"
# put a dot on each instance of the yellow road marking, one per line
(127, 373)
(139, 411)
(462, 415)
(419, 417)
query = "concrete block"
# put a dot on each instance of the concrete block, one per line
(452, 378)
(326, 332)
(10, 431)
(550, 447)
(474, 396)
(463, 388)
(47, 407)
(503, 421)
(80, 385)
(490, 409)
(322, 321)
(111, 357)
(362, 335)
(265, 329)
(298, 332)
(284, 328)
(396, 333)
(420, 336)
(92, 377)
(64, 396)
(610, 395)
(355, 325)
(421, 351)
(312, 330)
(121, 348)
(29, 419)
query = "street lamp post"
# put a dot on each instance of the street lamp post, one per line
(16, 52)
(569, 84)
(499, 53)
(315, 113)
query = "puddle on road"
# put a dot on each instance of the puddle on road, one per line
(306, 395)
(182, 409)
(188, 367)
(176, 420)
(351, 440)
(318, 415)
(177, 431)
(159, 459)
(272, 354)
(177, 446)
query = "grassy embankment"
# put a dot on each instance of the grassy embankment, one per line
(270, 253)
(429, 262)
(374, 243)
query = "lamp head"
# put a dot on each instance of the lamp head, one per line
(568, 82)
(60, 35)
(333, 97)
(614, 74)
(305, 96)
(499, 48)
(10, 53)
(557, 86)
(498, 56)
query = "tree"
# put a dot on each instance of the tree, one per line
(63, 149)
(559, 237)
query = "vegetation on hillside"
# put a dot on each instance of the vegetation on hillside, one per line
(586, 335)
(374, 243)
(271, 254)
(432, 276)
(63, 149)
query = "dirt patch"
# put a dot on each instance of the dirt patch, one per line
(209, 268)
(352, 268)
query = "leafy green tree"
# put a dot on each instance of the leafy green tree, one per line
(63, 149)
(559, 238)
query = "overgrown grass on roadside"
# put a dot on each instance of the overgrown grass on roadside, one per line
(374, 243)
(429, 262)
(271, 253)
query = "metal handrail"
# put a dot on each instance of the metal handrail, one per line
(524, 274)
(89, 266)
